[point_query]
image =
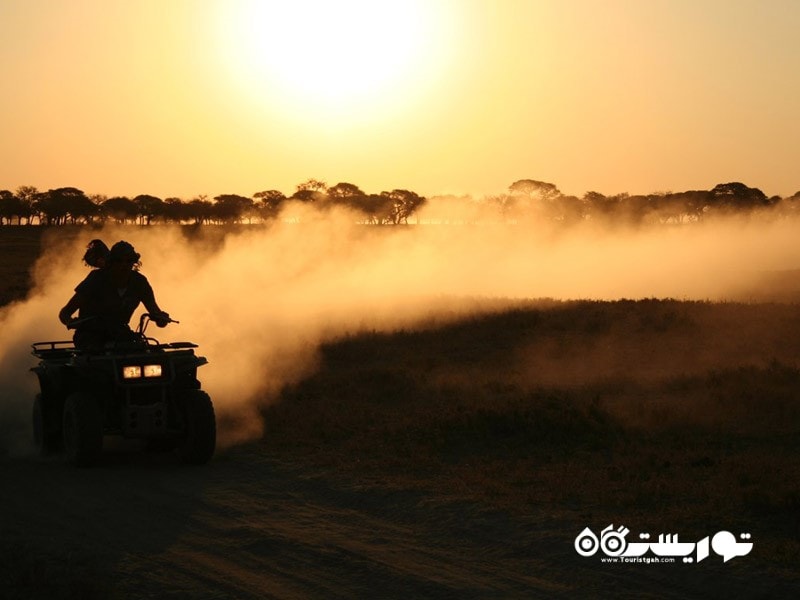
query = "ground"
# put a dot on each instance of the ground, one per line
(455, 460)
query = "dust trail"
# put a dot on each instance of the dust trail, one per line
(260, 302)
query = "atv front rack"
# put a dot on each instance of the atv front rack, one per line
(61, 349)
(65, 349)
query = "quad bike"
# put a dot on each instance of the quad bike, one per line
(134, 388)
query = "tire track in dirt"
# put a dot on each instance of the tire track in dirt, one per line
(246, 527)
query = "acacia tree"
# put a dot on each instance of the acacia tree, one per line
(404, 204)
(534, 189)
(377, 208)
(231, 208)
(532, 195)
(737, 196)
(61, 205)
(678, 207)
(148, 208)
(175, 210)
(346, 194)
(27, 195)
(269, 203)
(312, 190)
(344, 190)
(568, 209)
(200, 210)
(789, 206)
(10, 207)
(120, 209)
(597, 205)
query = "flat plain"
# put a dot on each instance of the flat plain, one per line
(452, 460)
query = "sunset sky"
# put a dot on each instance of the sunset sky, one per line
(188, 97)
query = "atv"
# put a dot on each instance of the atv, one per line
(136, 388)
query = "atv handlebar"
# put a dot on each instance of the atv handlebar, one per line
(145, 319)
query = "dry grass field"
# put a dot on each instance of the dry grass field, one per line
(658, 412)
(458, 459)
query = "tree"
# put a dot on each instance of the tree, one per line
(175, 210)
(529, 194)
(148, 208)
(270, 203)
(404, 204)
(66, 204)
(568, 209)
(10, 206)
(678, 207)
(200, 210)
(377, 208)
(120, 209)
(737, 196)
(346, 194)
(97, 200)
(230, 208)
(537, 190)
(312, 190)
(315, 185)
(344, 190)
(27, 195)
(598, 206)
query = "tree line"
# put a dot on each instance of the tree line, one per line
(70, 205)
(526, 199)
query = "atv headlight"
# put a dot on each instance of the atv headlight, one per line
(131, 372)
(152, 370)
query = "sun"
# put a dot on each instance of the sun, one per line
(332, 58)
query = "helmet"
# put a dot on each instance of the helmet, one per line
(123, 252)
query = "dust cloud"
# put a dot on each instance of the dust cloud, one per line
(262, 300)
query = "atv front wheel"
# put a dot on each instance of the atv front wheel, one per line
(200, 437)
(83, 429)
(45, 440)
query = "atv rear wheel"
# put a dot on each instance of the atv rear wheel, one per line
(83, 429)
(45, 440)
(200, 437)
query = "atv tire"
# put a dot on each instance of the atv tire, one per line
(83, 429)
(200, 437)
(46, 441)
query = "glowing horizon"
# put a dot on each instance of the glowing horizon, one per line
(187, 98)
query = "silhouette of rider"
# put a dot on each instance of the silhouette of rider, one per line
(96, 254)
(107, 297)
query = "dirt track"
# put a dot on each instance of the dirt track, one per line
(142, 526)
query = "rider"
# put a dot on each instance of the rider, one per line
(107, 298)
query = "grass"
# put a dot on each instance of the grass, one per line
(19, 248)
(506, 410)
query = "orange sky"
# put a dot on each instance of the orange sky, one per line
(186, 97)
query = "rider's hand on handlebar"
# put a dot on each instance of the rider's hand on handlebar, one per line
(161, 319)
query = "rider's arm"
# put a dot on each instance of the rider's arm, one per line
(65, 314)
(160, 317)
(153, 308)
(87, 288)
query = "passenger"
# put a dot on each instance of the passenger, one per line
(96, 254)
(106, 299)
